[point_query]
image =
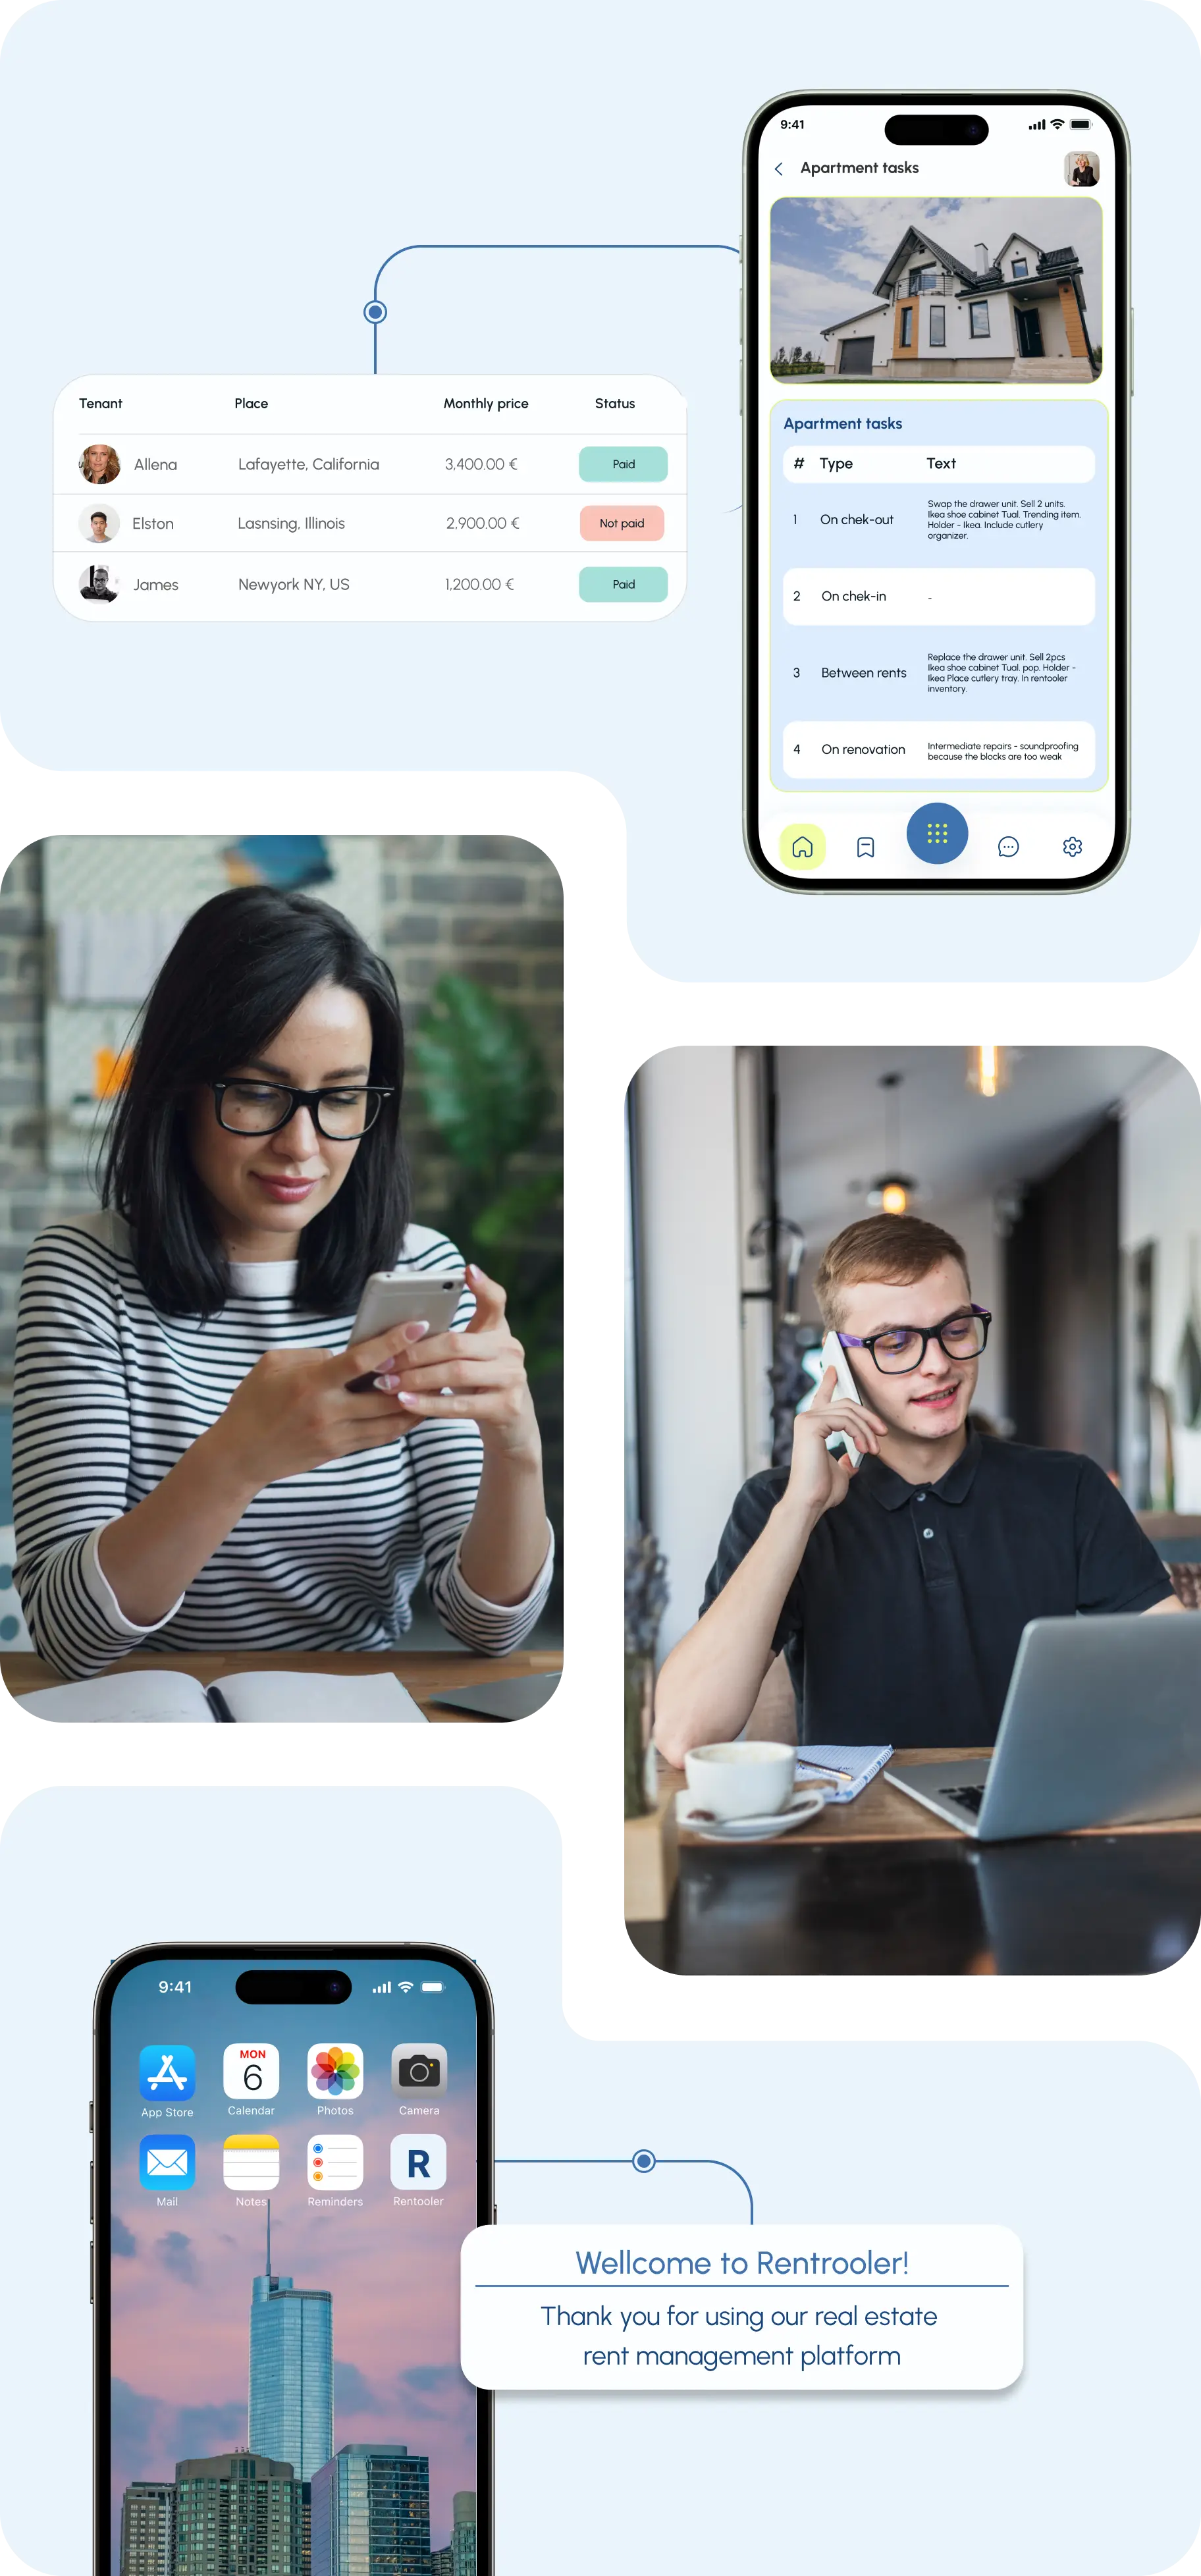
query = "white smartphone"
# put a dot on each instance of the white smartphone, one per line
(404, 1297)
(833, 1356)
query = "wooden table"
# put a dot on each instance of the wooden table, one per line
(420, 1674)
(885, 1887)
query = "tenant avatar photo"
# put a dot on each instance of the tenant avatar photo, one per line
(97, 583)
(98, 526)
(100, 464)
(915, 289)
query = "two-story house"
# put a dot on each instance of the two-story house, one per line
(1019, 315)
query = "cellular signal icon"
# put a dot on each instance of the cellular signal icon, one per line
(383, 1990)
(1039, 126)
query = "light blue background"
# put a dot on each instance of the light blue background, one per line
(207, 191)
(1090, 2153)
(1080, 700)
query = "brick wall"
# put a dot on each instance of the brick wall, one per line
(491, 909)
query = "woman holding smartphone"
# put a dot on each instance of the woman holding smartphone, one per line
(191, 1469)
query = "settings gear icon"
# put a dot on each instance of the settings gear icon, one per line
(1072, 846)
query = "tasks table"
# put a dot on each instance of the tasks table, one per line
(419, 1674)
(885, 1887)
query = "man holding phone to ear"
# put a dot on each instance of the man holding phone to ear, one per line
(898, 1587)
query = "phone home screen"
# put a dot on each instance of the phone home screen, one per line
(289, 2187)
(936, 371)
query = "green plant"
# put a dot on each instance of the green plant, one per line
(486, 1091)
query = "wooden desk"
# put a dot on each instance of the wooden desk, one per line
(883, 1887)
(420, 1674)
(884, 1814)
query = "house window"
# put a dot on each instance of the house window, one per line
(938, 326)
(921, 281)
(1020, 268)
(907, 326)
(979, 314)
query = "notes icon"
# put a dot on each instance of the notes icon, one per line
(251, 2162)
(336, 2162)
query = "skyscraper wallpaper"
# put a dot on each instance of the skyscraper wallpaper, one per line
(338, 2341)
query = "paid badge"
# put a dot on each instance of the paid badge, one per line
(251, 2163)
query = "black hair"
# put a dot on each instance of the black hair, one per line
(101, 514)
(238, 970)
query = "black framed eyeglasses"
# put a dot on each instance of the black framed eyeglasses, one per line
(961, 1336)
(341, 1113)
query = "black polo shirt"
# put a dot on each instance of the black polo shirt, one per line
(905, 1614)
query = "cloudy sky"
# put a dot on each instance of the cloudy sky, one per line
(828, 252)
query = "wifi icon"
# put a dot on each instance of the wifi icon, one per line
(1057, 122)
(405, 1984)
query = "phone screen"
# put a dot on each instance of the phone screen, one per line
(288, 2186)
(935, 387)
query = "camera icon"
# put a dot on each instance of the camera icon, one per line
(417, 2069)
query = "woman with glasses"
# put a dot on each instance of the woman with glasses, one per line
(192, 1469)
(896, 1569)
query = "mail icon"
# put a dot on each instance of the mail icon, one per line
(167, 2164)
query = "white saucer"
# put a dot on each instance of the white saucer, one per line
(803, 1805)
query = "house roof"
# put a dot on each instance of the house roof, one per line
(945, 258)
(867, 315)
(980, 281)
(1016, 237)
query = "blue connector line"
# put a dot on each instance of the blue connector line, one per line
(643, 2162)
(374, 312)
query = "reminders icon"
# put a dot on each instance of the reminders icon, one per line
(336, 2162)
(251, 2163)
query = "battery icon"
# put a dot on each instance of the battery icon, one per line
(1081, 124)
(429, 1988)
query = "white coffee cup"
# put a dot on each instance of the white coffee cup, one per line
(729, 1780)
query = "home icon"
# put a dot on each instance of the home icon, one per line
(802, 848)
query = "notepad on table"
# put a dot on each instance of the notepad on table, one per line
(860, 1761)
(250, 1699)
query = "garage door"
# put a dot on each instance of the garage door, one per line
(856, 358)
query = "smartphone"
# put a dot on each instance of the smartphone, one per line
(403, 1297)
(833, 1356)
(290, 2146)
(936, 330)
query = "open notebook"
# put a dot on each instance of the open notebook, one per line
(249, 1699)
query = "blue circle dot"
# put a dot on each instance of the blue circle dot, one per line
(644, 2161)
(6, 1576)
(9, 1628)
(375, 311)
(937, 833)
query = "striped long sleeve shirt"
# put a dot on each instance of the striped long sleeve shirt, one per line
(108, 1395)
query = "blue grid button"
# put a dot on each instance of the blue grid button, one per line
(937, 833)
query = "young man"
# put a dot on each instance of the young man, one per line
(898, 1589)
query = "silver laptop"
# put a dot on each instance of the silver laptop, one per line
(1101, 1726)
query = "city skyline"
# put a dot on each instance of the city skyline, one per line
(183, 2264)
